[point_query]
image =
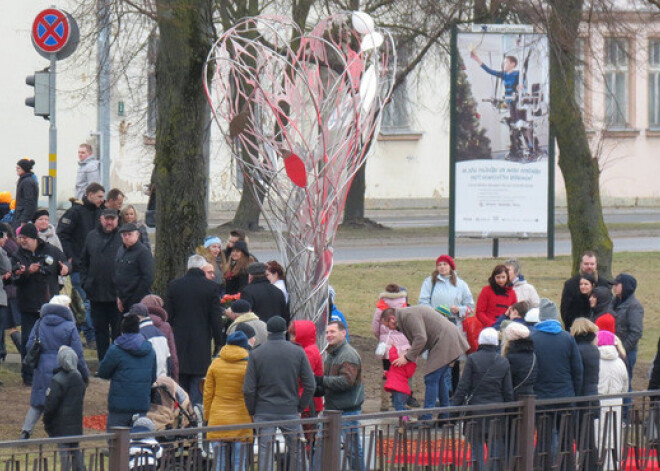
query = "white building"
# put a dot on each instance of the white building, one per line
(411, 158)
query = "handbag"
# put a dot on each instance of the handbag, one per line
(472, 327)
(381, 348)
(32, 356)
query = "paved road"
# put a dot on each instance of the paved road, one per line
(468, 248)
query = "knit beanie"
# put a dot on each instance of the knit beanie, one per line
(607, 323)
(488, 336)
(139, 310)
(606, 338)
(548, 310)
(210, 240)
(516, 331)
(29, 230)
(61, 299)
(240, 306)
(532, 315)
(143, 425)
(276, 324)
(26, 164)
(447, 259)
(247, 329)
(239, 339)
(38, 213)
(152, 300)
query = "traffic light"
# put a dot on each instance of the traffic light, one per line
(41, 99)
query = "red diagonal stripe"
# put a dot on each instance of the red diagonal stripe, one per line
(50, 29)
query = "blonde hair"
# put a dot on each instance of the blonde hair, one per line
(583, 326)
(125, 209)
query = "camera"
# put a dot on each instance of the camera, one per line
(45, 261)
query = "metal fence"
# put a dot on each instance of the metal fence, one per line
(570, 434)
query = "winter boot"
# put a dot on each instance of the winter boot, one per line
(16, 338)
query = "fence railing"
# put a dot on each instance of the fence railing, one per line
(568, 434)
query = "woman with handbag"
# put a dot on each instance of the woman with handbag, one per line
(54, 328)
(448, 294)
(486, 379)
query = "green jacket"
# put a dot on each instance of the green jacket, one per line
(342, 382)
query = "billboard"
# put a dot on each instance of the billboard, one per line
(500, 133)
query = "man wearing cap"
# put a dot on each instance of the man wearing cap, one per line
(74, 225)
(97, 269)
(426, 330)
(560, 370)
(134, 268)
(266, 299)
(271, 391)
(194, 308)
(573, 303)
(240, 314)
(36, 281)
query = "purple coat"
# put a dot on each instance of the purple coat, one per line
(56, 328)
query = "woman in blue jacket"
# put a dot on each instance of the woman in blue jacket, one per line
(130, 365)
(55, 327)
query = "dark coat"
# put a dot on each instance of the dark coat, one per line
(134, 273)
(36, 289)
(272, 377)
(573, 303)
(560, 364)
(27, 194)
(234, 284)
(266, 299)
(97, 265)
(590, 364)
(74, 225)
(629, 313)
(56, 328)
(654, 381)
(63, 411)
(487, 377)
(194, 308)
(130, 365)
(521, 358)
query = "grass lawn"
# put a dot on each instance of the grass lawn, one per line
(358, 285)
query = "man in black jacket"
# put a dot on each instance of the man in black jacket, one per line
(97, 264)
(193, 305)
(573, 303)
(271, 390)
(134, 269)
(266, 299)
(37, 265)
(72, 229)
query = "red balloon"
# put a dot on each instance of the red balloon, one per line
(295, 170)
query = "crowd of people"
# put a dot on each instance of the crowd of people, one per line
(243, 362)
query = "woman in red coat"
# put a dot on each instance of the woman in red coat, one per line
(496, 297)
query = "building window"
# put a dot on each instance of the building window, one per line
(616, 82)
(396, 114)
(580, 67)
(654, 84)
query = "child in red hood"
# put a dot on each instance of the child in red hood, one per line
(304, 334)
(397, 380)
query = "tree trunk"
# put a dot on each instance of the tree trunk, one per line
(580, 170)
(181, 180)
(248, 210)
(354, 209)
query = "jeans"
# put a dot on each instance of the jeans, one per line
(268, 448)
(86, 328)
(432, 383)
(31, 418)
(231, 456)
(71, 457)
(399, 400)
(350, 437)
(4, 322)
(120, 419)
(106, 319)
(190, 384)
(28, 319)
(14, 319)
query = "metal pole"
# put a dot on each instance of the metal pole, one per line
(496, 247)
(103, 101)
(551, 197)
(453, 133)
(52, 138)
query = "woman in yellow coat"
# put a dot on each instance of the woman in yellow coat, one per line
(224, 404)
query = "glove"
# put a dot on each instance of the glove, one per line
(319, 391)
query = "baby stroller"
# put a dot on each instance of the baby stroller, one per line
(170, 406)
(145, 452)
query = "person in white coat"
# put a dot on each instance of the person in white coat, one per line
(612, 379)
(524, 291)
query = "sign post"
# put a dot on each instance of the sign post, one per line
(55, 36)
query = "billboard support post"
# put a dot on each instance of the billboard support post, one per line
(453, 73)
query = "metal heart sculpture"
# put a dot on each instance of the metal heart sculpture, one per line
(299, 112)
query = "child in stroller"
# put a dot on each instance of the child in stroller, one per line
(144, 452)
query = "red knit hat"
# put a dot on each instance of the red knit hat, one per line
(606, 322)
(447, 259)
